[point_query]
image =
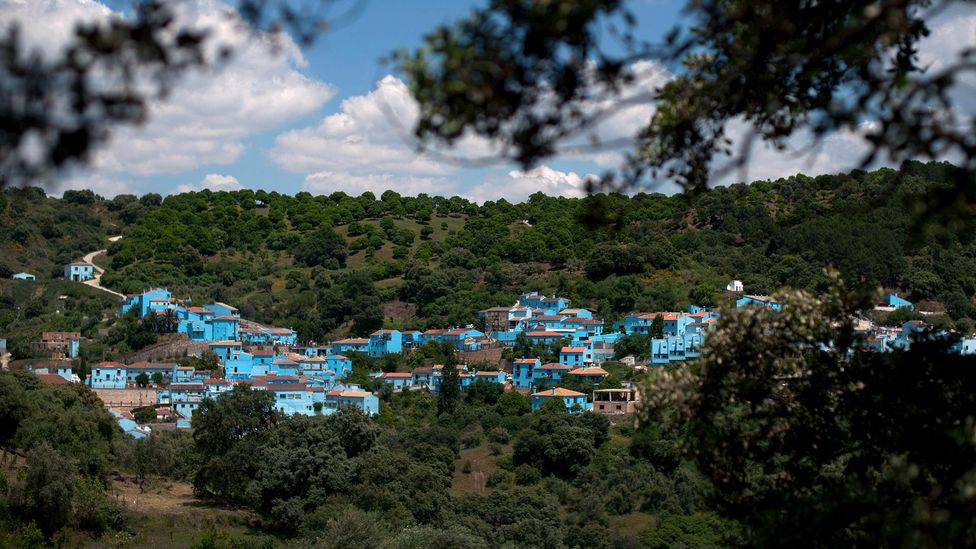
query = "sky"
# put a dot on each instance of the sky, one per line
(333, 117)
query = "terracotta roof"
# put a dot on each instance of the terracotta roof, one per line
(558, 392)
(526, 360)
(400, 375)
(355, 394)
(110, 365)
(381, 332)
(554, 366)
(225, 343)
(487, 373)
(572, 350)
(212, 381)
(187, 387)
(281, 331)
(593, 371)
(352, 341)
(151, 365)
(543, 334)
(263, 352)
(228, 318)
(422, 370)
(52, 379)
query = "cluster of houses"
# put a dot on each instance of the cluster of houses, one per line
(214, 322)
(312, 379)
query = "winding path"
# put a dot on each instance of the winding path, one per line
(94, 282)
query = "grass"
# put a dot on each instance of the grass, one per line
(167, 514)
(483, 464)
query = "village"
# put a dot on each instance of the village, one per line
(312, 379)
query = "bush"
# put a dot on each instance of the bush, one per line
(499, 478)
(526, 474)
(471, 441)
(466, 468)
(498, 435)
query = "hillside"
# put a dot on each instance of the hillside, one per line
(331, 265)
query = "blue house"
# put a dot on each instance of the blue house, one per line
(241, 365)
(351, 345)
(79, 271)
(548, 304)
(894, 301)
(549, 374)
(225, 328)
(165, 369)
(23, 276)
(341, 365)
(184, 398)
(490, 376)
(760, 300)
(222, 309)
(225, 349)
(422, 376)
(676, 348)
(108, 375)
(156, 299)
(397, 380)
(196, 323)
(356, 398)
(571, 356)
(385, 342)
(574, 402)
(296, 398)
(592, 374)
(544, 336)
(463, 339)
(523, 372)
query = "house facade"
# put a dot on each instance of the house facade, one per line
(79, 271)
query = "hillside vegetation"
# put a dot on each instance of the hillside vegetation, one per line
(338, 264)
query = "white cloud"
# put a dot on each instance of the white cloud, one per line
(214, 182)
(355, 185)
(371, 134)
(518, 185)
(211, 112)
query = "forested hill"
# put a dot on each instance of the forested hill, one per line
(337, 264)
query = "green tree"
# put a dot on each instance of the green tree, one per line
(142, 380)
(788, 418)
(45, 492)
(449, 394)
(513, 404)
(228, 431)
(323, 247)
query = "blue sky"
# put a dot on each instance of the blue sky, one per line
(330, 118)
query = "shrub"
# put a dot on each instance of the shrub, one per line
(498, 435)
(499, 478)
(526, 474)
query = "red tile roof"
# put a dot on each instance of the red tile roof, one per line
(53, 379)
(558, 392)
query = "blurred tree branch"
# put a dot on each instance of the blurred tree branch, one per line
(527, 73)
(54, 112)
